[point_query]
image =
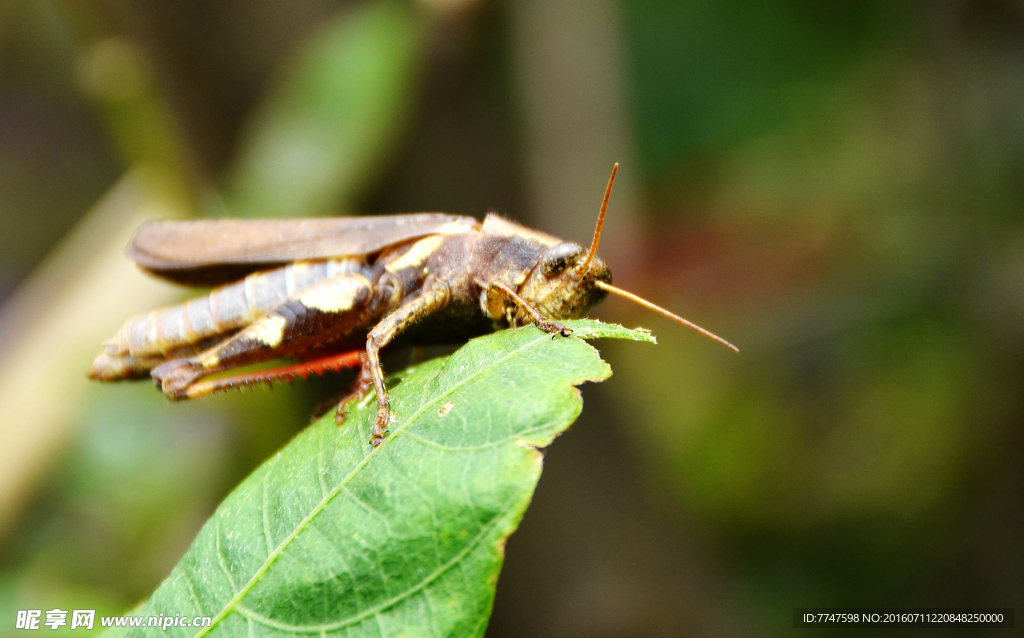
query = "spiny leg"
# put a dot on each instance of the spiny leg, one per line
(434, 296)
(333, 363)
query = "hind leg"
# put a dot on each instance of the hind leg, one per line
(334, 363)
(319, 314)
(361, 386)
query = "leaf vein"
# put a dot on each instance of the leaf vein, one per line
(387, 604)
(321, 468)
(333, 547)
(475, 448)
(266, 521)
(221, 559)
(192, 590)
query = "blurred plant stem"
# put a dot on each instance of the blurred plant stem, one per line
(53, 326)
(571, 80)
(55, 321)
(327, 126)
(121, 81)
(140, 121)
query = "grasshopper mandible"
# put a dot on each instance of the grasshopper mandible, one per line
(319, 289)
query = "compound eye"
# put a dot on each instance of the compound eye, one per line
(561, 256)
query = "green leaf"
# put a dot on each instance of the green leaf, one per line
(332, 536)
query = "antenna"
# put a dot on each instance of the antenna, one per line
(661, 311)
(600, 223)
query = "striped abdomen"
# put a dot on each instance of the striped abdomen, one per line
(225, 310)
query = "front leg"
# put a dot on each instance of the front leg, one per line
(434, 297)
(538, 319)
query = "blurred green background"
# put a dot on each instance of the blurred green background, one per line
(835, 187)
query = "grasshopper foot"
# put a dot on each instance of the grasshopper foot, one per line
(554, 328)
(380, 426)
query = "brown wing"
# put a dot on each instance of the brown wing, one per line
(214, 251)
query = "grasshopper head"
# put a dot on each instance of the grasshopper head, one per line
(559, 288)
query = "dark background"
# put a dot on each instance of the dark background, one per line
(836, 187)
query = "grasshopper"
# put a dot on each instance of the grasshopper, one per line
(333, 292)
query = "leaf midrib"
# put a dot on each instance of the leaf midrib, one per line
(272, 558)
